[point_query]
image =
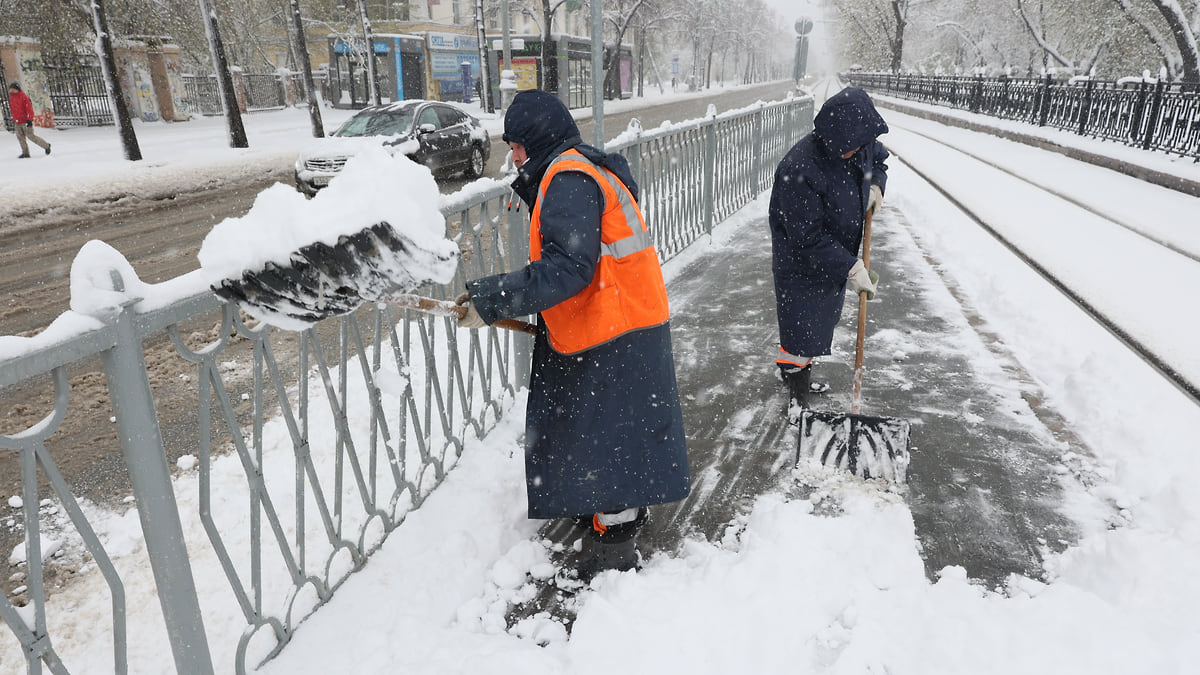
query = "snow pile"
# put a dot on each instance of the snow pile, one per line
(374, 187)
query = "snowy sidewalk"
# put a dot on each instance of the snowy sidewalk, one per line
(764, 569)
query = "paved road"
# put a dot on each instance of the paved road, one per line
(160, 238)
(984, 484)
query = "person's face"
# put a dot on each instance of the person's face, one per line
(850, 154)
(518, 154)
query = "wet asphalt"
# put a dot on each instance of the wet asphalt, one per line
(986, 480)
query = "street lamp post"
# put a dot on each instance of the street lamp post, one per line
(597, 74)
(804, 26)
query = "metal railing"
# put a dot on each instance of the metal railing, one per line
(371, 410)
(1152, 115)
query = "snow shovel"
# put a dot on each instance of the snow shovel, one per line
(865, 445)
(375, 264)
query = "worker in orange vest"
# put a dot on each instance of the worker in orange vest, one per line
(604, 435)
(22, 112)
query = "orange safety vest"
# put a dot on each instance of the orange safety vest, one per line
(627, 292)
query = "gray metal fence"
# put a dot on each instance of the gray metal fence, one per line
(375, 407)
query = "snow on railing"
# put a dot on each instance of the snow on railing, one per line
(1144, 112)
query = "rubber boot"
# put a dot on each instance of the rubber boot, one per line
(613, 549)
(607, 555)
(799, 382)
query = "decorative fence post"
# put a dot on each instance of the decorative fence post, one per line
(710, 166)
(141, 441)
(1086, 109)
(1044, 102)
(1155, 111)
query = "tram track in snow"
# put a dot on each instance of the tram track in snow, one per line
(1185, 251)
(1116, 220)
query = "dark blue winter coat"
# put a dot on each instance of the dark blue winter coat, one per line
(603, 428)
(816, 214)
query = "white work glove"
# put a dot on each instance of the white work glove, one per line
(875, 199)
(860, 279)
(471, 319)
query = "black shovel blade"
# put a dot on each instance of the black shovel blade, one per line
(865, 445)
(325, 280)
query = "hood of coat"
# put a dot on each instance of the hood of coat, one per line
(541, 122)
(543, 125)
(847, 121)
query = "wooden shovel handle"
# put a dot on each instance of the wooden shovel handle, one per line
(448, 308)
(856, 400)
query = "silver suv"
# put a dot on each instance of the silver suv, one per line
(438, 135)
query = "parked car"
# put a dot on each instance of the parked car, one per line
(440, 136)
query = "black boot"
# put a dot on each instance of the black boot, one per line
(799, 382)
(613, 549)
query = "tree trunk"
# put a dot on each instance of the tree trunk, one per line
(233, 114)
(112, 82)
(314, 105)
(708, 64)
(485, 77)
(369, 37)
(899, 13)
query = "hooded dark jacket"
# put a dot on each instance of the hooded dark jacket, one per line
(603, 427)
(818, 205)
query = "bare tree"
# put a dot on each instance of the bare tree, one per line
(877, 21)
(1182, 58)
(1038, 28)
(621, 15)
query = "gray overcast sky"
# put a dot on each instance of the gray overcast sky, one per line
(791, 10)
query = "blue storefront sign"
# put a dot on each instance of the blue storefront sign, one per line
(447, 54)
(343, 48)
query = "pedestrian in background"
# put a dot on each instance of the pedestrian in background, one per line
(824, 187)
(604, 435)
(22, 113)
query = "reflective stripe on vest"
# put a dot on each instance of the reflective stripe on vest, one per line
(627, 292)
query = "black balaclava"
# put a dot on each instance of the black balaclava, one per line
(541, 122)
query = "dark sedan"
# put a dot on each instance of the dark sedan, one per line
(438, 135)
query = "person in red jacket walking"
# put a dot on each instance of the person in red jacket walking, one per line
(22, 112)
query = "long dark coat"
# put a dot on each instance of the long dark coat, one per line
(816, 214)
(603, 428)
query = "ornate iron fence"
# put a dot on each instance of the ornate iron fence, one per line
(330, 436)
(1153, 115)
(78, 94)
(202, 94)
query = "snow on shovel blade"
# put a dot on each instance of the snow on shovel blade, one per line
(866, 446)
(323, 280)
